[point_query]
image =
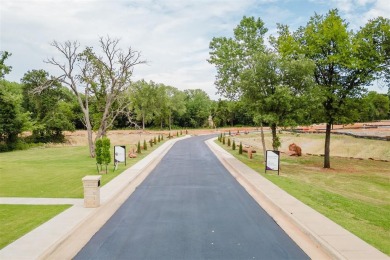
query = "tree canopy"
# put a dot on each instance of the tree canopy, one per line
(345, 61)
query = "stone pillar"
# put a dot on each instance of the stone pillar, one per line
(91, 185)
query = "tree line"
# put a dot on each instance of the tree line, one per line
(313, 75)
(317, 73)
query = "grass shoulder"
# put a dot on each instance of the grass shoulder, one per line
(17, 220)
(355, 193)
(54, 172)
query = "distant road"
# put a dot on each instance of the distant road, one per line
(190, 207)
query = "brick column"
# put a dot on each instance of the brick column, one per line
(91, 185)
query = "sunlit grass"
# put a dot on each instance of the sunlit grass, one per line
(17, 220)
(53, 172)
(354, 193)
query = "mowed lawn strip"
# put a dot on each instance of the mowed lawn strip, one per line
(53, 172)
(17, 220)
(354, 193)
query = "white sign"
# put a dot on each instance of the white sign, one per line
(272, 162)
(120, 153)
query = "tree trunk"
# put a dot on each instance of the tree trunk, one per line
(143, 121)
(263, 140)
(170, 122)
(91, 144)
(275, 144)
(85, 109)
(327, 146)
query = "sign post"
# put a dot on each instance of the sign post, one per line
(119, 154)
(272, 161)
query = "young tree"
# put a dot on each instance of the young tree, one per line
(106, 155)
(345, 61)
(105, 76)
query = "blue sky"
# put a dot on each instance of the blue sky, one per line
(172, 35)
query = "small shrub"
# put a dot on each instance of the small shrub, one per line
(223, 140)
(234, 145)
(158, 139)
(228, 142)
(151, 142)
(106, 144)
(139, 147)
(240, 148)
(99, 153)
(145, 145)
(155, 140)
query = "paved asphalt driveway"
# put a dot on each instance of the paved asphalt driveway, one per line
(190, 207)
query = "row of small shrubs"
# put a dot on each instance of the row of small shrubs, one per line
(222, 138)
(152, 142)
(102, 149)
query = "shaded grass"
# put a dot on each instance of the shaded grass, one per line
(53, 172)
(355, 193)
(17, 220)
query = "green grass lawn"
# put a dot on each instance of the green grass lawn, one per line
(45, 173)
(17, 220)
(52, 172)
(354, 193)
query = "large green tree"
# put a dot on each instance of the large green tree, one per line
(175, 104)
(345, 61)
(13, 120)
(143, 97)
(51, 108)
(272, 86)
(198, 106)
(374, 107)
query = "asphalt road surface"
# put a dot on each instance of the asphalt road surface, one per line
(190, 207)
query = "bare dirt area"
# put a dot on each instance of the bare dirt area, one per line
(311, 140)
(373, 129)
(130, 137)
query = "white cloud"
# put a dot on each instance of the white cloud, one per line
(174, 35)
